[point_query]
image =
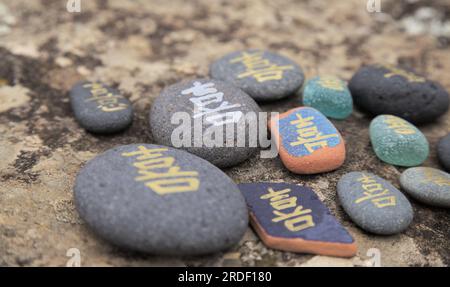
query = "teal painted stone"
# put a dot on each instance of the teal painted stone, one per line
(330, 96)
(397, 142)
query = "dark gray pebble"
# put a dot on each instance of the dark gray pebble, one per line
(264, 75)
(99, 108)
(214, 107)
(160, 200)
(385, 89)
(374, 204)
(444, 152)
(428, 185)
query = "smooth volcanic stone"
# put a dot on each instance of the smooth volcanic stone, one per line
(398, 142)
(160, 200)
(374, 204)
(188, 104)
(444, 152)
(330, 96)
(99, 108)
(264, 75)
(428, 185)
(390, 90)
(292, 218)
(307, 141)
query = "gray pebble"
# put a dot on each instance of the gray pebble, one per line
(214, 106)
(160, 200)
(427, 185)
(264, 75)
(444, 152)
(99, 108)
(374, 204)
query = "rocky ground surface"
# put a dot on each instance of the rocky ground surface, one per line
(141, 47)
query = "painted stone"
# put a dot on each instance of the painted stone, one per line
(385, 89)
(292, 218)
(444, 152)
(330, 96)
(264, 75)
(374, 204)
(198, 115)
(160, 200)
(428, 185)
(397, 142)
(307, 141)
(99, 108)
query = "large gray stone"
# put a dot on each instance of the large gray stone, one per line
(160, 200)
(264, 75)
(374, 204)
(428, 185)
(99, 108)
(181, 106)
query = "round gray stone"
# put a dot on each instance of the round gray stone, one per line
(374, 204)
(213, 106)
(444, 152)
(99, 108)
(428, 185)
(264, 75)
(160, 200)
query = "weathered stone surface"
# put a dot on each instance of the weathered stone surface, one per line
(146, 47)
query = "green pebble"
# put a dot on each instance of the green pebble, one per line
(330, 96)
(398, 142)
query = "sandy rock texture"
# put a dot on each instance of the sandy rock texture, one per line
(142, 46)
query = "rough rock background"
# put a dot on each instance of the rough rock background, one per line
(142, 46)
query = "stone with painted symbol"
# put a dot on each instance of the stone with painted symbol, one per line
(160, 200)
(428, 185)
(308, 143)
(330, 96)
(264, 75)
(208, 118)
(99, 108)
(374, 204)
(397, 142)
(444, 152)
(292, 218)
(386, 89)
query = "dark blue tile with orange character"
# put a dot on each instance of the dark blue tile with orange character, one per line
(292, 218)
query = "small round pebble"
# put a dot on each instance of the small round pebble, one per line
(428, 185)
(99, 108)
(386, 89)
(160, 200)
(216, 108)
(330, 96)
(397, 142)
(374, 204)
(264, 75)
(444, 152)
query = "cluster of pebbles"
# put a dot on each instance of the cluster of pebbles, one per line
(171, 198)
